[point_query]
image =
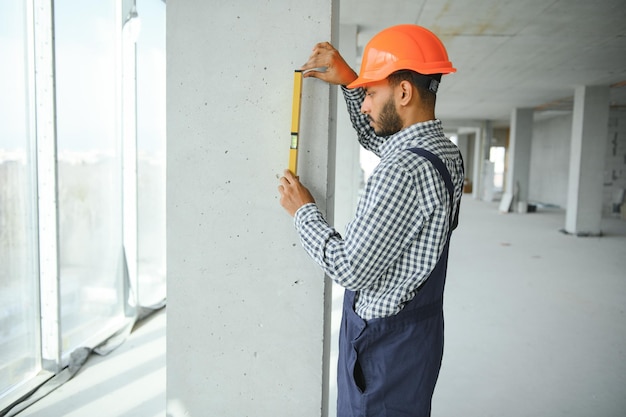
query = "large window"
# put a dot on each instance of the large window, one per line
(151, 151)
(19, 311)
(82, 177)
(89, 168)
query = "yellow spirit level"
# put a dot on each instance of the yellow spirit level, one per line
(295, 121)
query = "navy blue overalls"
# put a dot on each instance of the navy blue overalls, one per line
(388, 366)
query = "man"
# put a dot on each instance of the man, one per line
(392, 260)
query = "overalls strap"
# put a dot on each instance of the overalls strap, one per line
(447, 179)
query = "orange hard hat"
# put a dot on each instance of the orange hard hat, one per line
(402, 47)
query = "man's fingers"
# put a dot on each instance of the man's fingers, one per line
(289, 177)
(322, 45)
(320, 75)
(319, 59)
(327, 64)
(293, 194)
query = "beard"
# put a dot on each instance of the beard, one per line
(389, 121)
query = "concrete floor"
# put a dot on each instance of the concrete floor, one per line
(128, 382)
(535, 322)
(535, 326)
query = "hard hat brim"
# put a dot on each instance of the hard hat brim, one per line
(369, 77)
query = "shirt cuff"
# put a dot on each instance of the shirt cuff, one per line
(306, 212)
(352, 93)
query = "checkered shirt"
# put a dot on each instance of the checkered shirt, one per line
(401, 222)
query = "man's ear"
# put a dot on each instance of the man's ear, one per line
(405, 92)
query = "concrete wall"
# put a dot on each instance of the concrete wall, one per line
(615, 173)
(549, 160)
(549, 169)
(246, 306)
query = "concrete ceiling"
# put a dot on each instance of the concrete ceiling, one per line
(511, 53)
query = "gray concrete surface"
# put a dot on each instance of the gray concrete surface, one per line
(128, 382)
(535, 318)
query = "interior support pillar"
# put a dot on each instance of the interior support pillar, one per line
(518, 173)
(247, 312)
(587, 160)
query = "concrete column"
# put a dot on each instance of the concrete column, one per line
(348, 180)
(518, 174)
(469, 145)
(587, 156)
(247, 308)
(477, 163)
(486, 167)
(463, 144)
(348, 173)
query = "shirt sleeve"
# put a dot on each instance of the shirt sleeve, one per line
(385, 225)
(360, 122)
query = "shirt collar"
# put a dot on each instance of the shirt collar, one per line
(411, 136)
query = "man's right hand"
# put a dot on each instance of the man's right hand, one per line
(337, 72)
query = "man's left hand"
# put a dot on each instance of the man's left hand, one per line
(293, 194)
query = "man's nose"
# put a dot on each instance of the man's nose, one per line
(365, 108)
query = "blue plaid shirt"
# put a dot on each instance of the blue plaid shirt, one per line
(401, 222)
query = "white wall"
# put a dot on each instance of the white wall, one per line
(615, 173)
(246, 306)
(549, 163)
(549, 160)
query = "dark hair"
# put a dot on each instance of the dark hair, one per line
(427, 85)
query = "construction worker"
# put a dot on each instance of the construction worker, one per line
(392, 259)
